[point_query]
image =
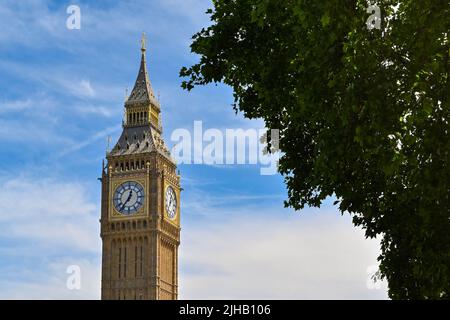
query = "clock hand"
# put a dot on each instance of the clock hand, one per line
(129, 196)
(128, 199)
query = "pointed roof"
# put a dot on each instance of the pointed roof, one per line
(143, 139)
(142, 92)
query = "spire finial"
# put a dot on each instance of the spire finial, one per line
(143, 40)
(108, 143)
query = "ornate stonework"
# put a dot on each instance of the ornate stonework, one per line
(140, 226)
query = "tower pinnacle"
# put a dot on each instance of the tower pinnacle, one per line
(143, 42)
(142, 92)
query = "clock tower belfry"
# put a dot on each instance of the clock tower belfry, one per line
(140, 207)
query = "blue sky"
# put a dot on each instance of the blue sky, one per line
(62, 95)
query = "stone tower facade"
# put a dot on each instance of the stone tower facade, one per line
(140, 208)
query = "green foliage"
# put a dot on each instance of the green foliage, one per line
(363, 115)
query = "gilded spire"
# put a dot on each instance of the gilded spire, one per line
(143, 40)
(142, 92)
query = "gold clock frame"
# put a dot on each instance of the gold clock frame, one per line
(176, 220)
(113, 213)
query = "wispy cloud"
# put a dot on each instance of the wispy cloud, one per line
(95, 137)
(47, 226)
(48, 210)
(16, 105)
(81, 88)
(31, 134)
(98, 110)
(50, 282)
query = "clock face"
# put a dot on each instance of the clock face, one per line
(129, 197)
(171, 203)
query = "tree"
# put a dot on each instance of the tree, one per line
(363, 115)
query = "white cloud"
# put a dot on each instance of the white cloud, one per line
(35, 25)
(50, 213)
(81, 88)
(29, 132)
(15, 105)
(259, 256)
(93, 138)
(98, 110)
(65, 79)
(47, 225)
(51, 283)
(37, 105)
(264, 253)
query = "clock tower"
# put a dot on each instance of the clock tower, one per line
(140, 206)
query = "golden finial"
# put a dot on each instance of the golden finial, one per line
(143, 40)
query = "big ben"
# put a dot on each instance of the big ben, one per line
(140, 206)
